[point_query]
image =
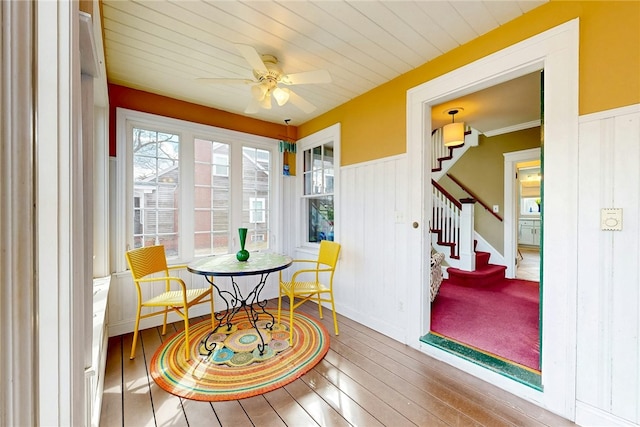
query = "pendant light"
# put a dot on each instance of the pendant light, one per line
(453, 133)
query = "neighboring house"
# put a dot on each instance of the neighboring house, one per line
(591, 353)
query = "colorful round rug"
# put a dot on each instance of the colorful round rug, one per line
(228, 366)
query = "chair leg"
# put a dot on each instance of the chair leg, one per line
(335, 318)
(279, 305)
(186, 332)
(319, 305)
(164, 322)
(291, 304)
(213, 315)
(135, 335)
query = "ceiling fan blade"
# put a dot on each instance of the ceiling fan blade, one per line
(252, 57)
(253, 107)
(301, 103)
(225, 81)
(307, 77)
(266, 101)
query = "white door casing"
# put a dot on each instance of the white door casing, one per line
(510, 205)
(555, 51)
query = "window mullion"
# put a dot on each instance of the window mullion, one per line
(236, 195)
(186, 205)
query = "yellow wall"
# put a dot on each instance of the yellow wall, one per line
(374, 124)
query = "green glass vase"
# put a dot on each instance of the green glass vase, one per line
(242, 254)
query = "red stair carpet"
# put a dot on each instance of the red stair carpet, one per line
(485, 273)
(498, 316)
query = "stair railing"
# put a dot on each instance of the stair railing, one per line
(445, 219)
(438, 149)
(453, 226)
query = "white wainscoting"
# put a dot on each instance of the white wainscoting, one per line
(608, 365)
(371, 278)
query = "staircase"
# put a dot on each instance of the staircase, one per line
(485, 273)
(452, 223)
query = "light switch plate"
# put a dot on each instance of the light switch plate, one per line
(611, 219)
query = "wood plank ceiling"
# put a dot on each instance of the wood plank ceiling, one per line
(164, 46)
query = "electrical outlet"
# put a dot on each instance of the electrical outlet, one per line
(399, 217)
(496, 208)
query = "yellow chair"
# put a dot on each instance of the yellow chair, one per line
(149, 260)
(306, 290)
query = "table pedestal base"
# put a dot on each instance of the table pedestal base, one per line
(235, 301)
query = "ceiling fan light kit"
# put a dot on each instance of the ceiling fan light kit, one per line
(267, 77)
(453, 133)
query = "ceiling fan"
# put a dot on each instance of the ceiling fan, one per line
(268, 76)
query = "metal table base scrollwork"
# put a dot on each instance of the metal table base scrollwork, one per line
(259, 264)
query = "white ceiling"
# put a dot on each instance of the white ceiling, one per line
(164, 46)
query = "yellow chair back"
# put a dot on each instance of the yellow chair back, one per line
(147, 260)
(329, 252)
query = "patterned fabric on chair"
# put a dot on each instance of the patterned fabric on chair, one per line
(436, 273)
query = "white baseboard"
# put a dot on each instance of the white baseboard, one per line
(589, 416)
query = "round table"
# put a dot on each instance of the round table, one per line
(258, 264)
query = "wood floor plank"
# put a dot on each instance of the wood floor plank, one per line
(231, 413)
(370, 401)
(200, 413)
(260, 412)
(315, 406)
(167, 407)
(138, 409)
(288, 409)
(196, 412)
(476, 404)
(431, 395)
(415, 396)
(370, 380)
(342, 403)
(111, 411)
(512, 408)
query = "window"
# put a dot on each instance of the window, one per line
(156, 177)
(256, 214)
(220, 164)
(319, 155)
(175, 186)
(256, 173)
(211, 197)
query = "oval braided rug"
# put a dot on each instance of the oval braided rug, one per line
(232, 371)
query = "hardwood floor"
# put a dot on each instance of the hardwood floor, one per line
(528, 267)
(366, 379)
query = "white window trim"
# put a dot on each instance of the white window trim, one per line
(123, 234)
(329, 134)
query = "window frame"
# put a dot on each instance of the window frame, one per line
(122, 234)
(330, 134)
(257, 214)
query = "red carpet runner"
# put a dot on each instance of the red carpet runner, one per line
(501, 318)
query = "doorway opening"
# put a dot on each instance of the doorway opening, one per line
(493, 317)
(529, 203)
